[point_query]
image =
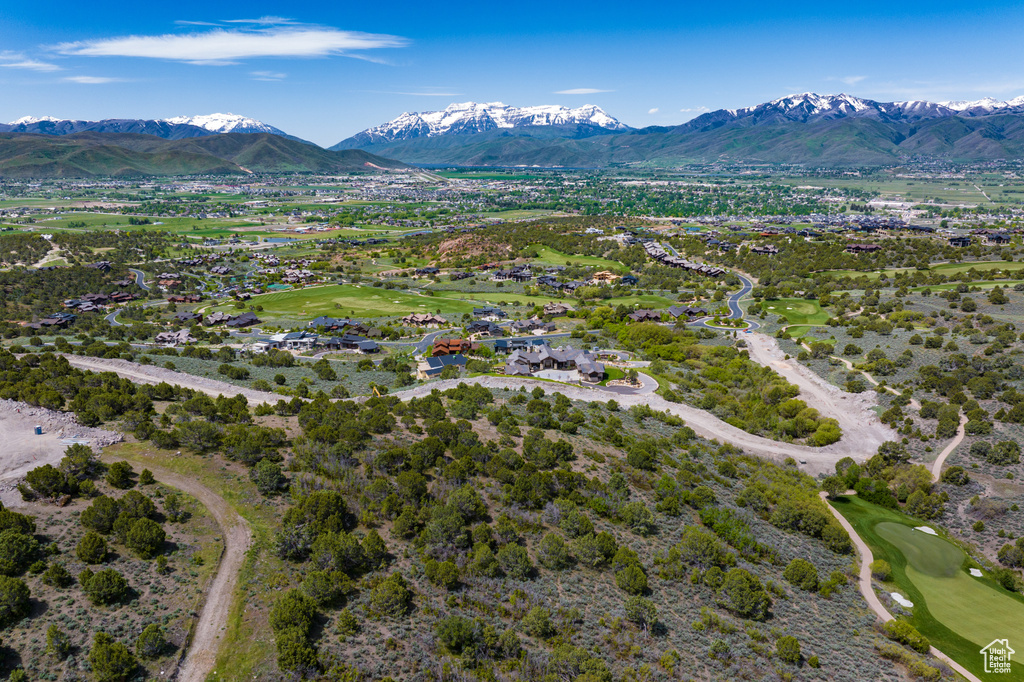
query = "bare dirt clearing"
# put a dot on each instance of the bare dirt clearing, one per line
(23, 450)
(853, 411)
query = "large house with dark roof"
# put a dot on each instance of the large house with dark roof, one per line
(540, 358)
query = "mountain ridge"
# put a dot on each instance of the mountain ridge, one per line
(174, 128)
(102, 154)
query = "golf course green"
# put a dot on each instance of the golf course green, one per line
(957, 612)
(797, 310)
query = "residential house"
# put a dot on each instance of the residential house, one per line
(534, 324)
(862, 248)
(678, 311)
(452, 346)
(645, 316)
(178, 338)
(424, 320)
(187, 317)
(433, 366)
(554, 309)
(960, 242)
(484, 328)
(243, 320)
(297, 341)
(541, 358)
(489, 313)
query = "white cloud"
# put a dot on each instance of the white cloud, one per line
(848, 80)
(580, 91)
(419, 94)
(92, 80)
(16, 60)
(653, 111)
(267, 76)
(262, 21)
(225, 46)
(695, 110)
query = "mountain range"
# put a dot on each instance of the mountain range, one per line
(115, 154)
(806, 128)
(176, 128)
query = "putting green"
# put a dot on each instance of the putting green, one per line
(929, 554)
(797, 310)
(959, 613)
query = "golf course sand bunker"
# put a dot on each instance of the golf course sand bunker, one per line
(972, 608)
(901, 600)
(926, 529)
(976, 572)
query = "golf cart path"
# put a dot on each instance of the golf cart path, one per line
(213, 619)
(948, 450)
(867, 590)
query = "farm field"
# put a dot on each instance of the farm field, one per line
(797, 310)
(959, 613)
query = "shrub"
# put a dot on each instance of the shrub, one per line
(553, 552)
(955, 475)
(106, 587)
(537, 623)
(881, 569)
(17, 551)
(788, 649)
(444, 574)
(111, 661)
(145, 538)
(802, 573)
(742, 593)
(268, 477)
(905, 633)
(101, 514)
(57, 642)
(456, 634)
(391, 597)
(151, 642)
(14, 602)
(146, 477)
(515, 562)
(119, 475)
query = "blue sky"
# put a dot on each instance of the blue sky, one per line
(324, 73)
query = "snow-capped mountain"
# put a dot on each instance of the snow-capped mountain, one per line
(474, 117)
(225, 123)
(986, 105)
(175, 128)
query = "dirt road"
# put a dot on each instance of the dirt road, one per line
(813, 460)
(213, 619)
(860, 424)
(859, 444)
(948, 450)
(867, 590)
(151, 374)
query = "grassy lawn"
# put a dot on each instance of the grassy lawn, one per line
(957, 612)
(797, 310)
(355, 300)
(549, 256)
(985, 284)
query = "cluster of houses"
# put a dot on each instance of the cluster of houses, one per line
(655, 251)
(246, 319)
(332, 324)
(424, 320)
(184, 298)
(90, 303)
(58, 320)
(306, 340)
(675, 312)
